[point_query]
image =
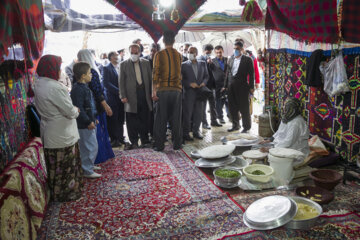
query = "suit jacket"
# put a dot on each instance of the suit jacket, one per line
(244, 78)
(111, 81)
(127, 83)
(188, 75)
(218, 73)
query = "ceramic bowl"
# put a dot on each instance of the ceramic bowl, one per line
(326, 178)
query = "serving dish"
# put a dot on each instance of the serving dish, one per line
(239, 164)
(213, 163)
(248, 171)
(316, 194)
(326, 178)
(216, 151)
(233, 179)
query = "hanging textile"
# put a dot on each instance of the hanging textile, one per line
(141, 12)
(350, 21)
(22, 21)
(304, 20)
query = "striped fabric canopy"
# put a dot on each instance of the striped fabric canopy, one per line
(141, 12)
(59, 17)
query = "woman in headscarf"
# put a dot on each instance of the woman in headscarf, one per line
(105, 150)
(59, 132)
(293, 131)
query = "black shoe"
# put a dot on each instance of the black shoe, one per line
(206, 126)
(177, 148)
(188, 138)
(222, 121)
(115, 143)
(146, 145)
(198, 135)
(233, 128)
(245, 130)
(131, 146)
(158, 149)
(216, 124)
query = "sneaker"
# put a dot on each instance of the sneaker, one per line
(93, 175)
(97, 167)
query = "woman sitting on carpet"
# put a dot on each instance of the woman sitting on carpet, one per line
(293, 131)
(105, 150)
(58, 130)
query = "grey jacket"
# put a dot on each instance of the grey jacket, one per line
(127, 83)
(188, 75)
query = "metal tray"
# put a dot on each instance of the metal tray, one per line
(270, 212)
(227, 186)
(239, 164)
(195, 154)
(244, 142)
(213, 163)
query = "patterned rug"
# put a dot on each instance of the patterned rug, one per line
(340, 219)
(146, 195)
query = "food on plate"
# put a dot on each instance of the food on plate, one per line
(241, 136)
(227, 173)
(305, 212)
(258, 172)
(216, 151)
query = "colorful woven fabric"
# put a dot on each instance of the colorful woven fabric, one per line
(23, 194)
(49, 66)
(350, 21)
(22, 21)
(334, 120)
(141, 12)
(146, 195)
(304, 20)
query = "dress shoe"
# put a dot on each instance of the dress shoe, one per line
(216, 124)
(93, 175)
(206, 126)
(198, 135)
(115, 143)
(146, 145)
(131, 146)
(233, 128)
(222, 121)
(188, 138)
(158, 149)
(245, 130)
(97, 167)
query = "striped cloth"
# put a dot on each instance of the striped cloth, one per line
(141, 12)
(60, 17)
(304, 20)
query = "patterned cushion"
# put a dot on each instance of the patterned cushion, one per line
(23, 194)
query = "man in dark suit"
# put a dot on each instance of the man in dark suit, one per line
(135, 83)
(208, 48)
(239, 83)
(194, 76)
(111, 85)
(218, 67)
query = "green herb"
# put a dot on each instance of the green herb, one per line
(227, 173)
(258, 172)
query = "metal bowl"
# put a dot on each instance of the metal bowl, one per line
(270, 212)
(227, 181)
(239, 164)
(307, 223)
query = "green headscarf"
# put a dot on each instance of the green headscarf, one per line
(291, 110)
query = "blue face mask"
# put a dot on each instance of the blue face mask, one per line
(236, 53)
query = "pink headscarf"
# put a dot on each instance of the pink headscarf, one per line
(49, 66)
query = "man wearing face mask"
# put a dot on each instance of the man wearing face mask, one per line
(195, 77)
(115, 123)
(185, 51)
(208, 48)
(135, 93)
(240, 83)
(138, 42)
(155, 47)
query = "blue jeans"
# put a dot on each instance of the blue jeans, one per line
(88, 150)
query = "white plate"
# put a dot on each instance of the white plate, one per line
(227, 186)
(254, 154)
(216, 151)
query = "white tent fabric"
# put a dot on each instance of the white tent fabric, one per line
(186, 36)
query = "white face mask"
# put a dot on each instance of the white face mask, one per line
(191, 56)
(135, 57)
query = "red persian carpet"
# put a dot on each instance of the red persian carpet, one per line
(146, 195)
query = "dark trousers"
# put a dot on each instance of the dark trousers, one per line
(238, 97)
(115, 123)
(168, 109)
(137, 123)
(220, 103)
(212, 108)
(192, 110)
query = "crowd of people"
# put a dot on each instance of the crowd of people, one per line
(84, 112)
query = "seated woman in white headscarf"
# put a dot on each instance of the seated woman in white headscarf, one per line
(293, 131)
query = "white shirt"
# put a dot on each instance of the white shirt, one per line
(294, 135)
(58, 126)
(236, 65)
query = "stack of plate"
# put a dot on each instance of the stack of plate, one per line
(215, 156)
(270, 212)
